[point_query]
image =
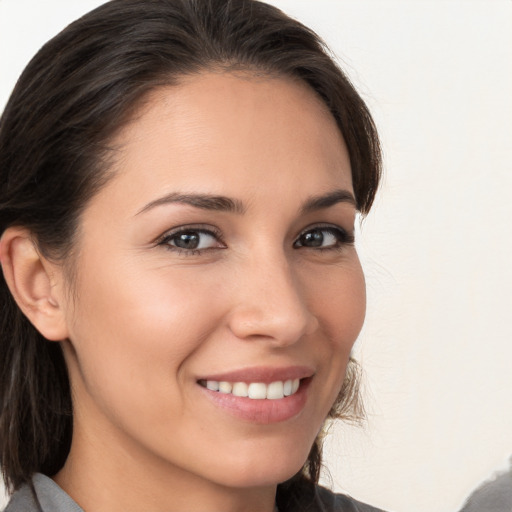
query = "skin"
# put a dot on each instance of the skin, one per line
(143, 321)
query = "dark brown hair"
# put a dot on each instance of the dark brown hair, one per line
(74, 95)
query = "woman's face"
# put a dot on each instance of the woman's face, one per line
(219, 256)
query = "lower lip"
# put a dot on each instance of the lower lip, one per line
(261, 411)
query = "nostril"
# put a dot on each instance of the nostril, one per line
(281, 327)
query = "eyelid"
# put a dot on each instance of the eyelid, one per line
(200, 228)
(344, 236)
(347, 237)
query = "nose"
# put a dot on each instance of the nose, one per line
(270, 303)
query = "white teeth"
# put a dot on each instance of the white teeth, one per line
(275, 390)
(213, 385)
(225, 387)
(256, 390)
(240, 389)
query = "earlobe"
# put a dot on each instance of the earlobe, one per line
(34, 282)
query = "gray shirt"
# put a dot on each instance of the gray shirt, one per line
(53, 499)
(493, 496)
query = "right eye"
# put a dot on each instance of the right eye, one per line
(191, 240)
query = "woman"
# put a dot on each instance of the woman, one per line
(181, 291)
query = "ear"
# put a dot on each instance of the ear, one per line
(35, 283)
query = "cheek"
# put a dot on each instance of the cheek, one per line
(133, 331)
(339, 303)
(338, 300)
(145, 307)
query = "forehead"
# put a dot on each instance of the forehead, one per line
(226, 133)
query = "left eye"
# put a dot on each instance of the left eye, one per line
(323, 238)
(191, 240)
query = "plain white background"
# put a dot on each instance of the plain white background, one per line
(437, 345)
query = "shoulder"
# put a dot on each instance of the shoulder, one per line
(44, 495)
(331, 502)
(22, 501)
(493, 496)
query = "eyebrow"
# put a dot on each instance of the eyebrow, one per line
(327, 200)
(226, 204)
(202, 201)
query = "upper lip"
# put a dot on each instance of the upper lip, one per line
(264, 374)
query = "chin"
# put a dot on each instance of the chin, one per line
(268, 467)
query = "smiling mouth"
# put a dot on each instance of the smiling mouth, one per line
(255, 390)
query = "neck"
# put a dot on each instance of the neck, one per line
(115, 477)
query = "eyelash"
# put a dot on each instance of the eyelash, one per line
(343, 238)
(172, 235)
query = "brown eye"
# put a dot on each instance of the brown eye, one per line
(312, 239)
(187, 240)
(191, 240)
(323, 238)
